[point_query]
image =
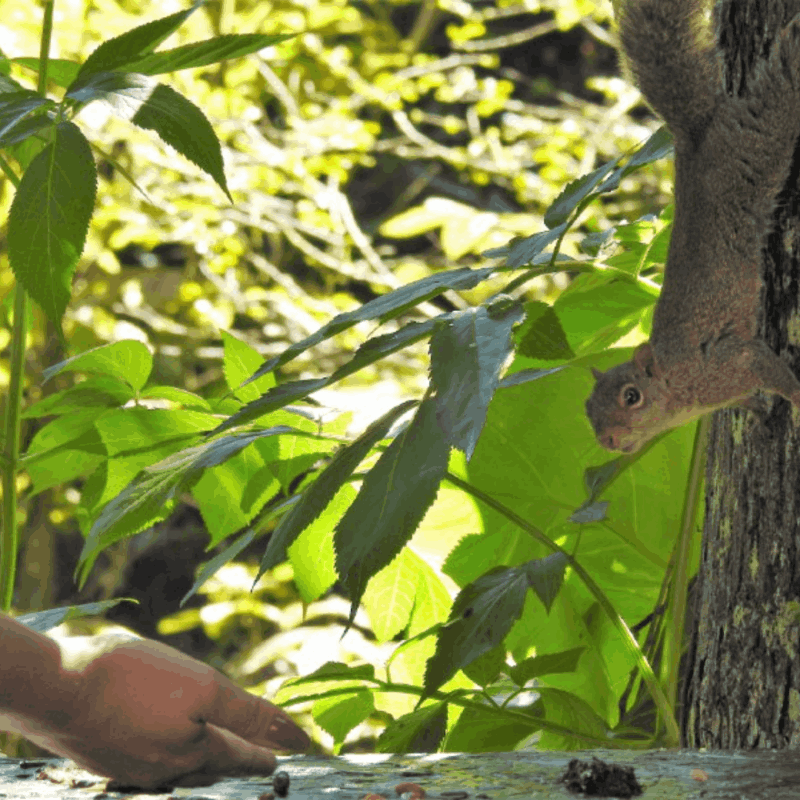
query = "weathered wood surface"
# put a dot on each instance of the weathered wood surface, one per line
(663, 774)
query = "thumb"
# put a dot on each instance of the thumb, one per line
(226, 755)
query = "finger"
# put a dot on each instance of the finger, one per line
(227, 754)
(254, 719)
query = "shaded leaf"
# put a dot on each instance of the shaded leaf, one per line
(393, 499)
(482, 615)
(50, 216)
(526, 375)
(315, 499)
(546, 664)
(275, 398)
(575, 192)
(421, 731)
(590, 512)
(385, 307)
(523, 250)
(541, 335)
(468, 352)
(182, 125)
(43, 621)
(15, 107)
(546, 576)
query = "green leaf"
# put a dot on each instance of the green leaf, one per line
(24, 130)
(200, 54)
(575, 192)
(485, 669)
(16, 107)
(339, 715)
(573, 713)
(381, 346)
(182, 125)
(238, 363)
(43, 621)
(117, 52)
(490, 730)
(124, 92)
(541, 335)
(421, 731)
(275, 398)
(50, 216)
(546, 664)
(129, 361)
(482, 615)
(523, 250)
(59, 70)
(526, 376)
(100, 392)
(317, 497)
(385, 307)
(144, 498)
(336, 671)
(254, 529)
(393, 499)
(7, 84)
(371, 351)
(468, 352)
(546, 576)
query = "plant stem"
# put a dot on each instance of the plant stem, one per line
(9, 536)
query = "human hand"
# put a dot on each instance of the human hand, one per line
(146, 715)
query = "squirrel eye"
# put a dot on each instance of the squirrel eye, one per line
(631, 396)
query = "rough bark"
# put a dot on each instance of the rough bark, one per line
(743, 670)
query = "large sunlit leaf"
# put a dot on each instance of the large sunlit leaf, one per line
(128, 360)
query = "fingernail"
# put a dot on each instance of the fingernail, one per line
(284, 732)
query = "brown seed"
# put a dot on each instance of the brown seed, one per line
(266, 796)
(373, 796)
(416, 790)
(699, 775)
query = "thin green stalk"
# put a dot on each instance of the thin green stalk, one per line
(9, 536)
(680, 582)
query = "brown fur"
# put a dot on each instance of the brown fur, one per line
(732, 158)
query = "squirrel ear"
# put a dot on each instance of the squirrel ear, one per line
(597, 374)
(644, 359)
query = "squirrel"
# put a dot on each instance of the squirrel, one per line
(732, 159)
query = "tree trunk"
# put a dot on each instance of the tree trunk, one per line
(742, 684)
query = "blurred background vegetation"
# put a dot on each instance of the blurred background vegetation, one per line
(386, 141)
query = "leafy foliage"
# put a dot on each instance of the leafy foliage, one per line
(491, 488)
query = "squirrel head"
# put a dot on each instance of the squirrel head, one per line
(630, 403)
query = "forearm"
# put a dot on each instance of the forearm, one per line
(34, 689)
